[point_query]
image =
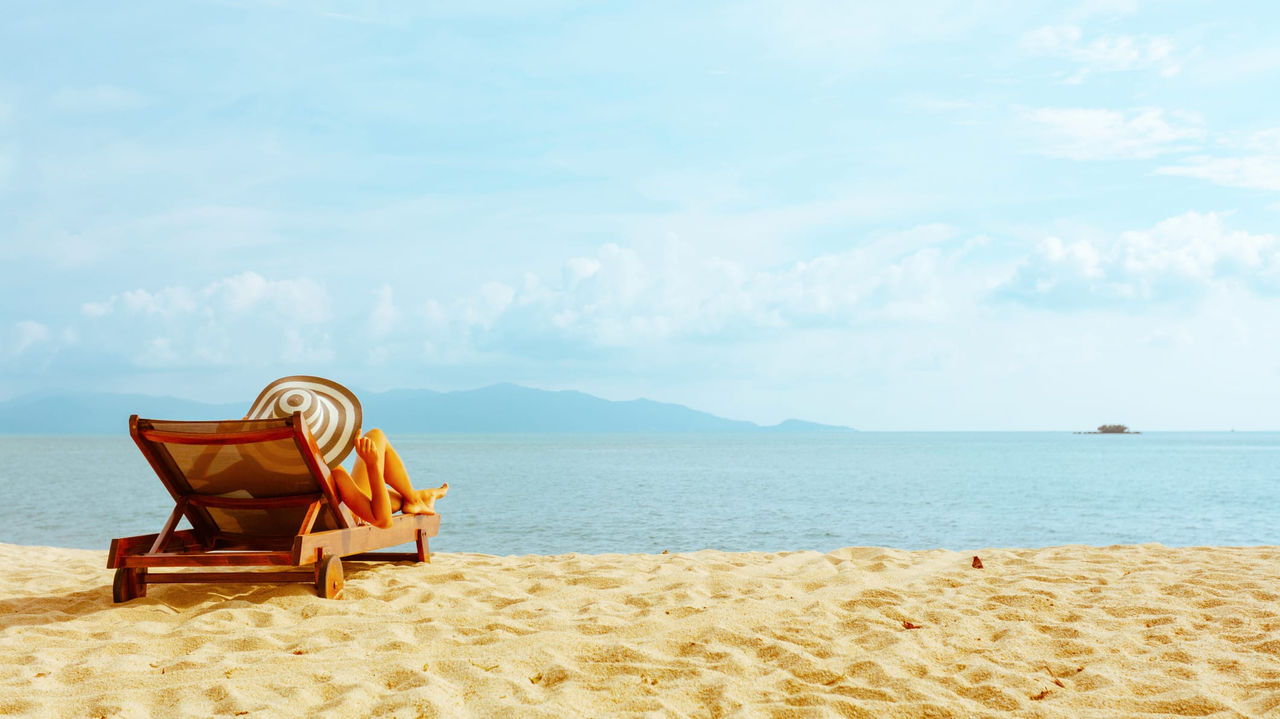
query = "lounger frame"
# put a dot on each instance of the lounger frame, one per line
(311, 556)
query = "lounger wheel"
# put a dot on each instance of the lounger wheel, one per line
(128, 584)
(329, 577)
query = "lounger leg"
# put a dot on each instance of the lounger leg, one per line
(130, 583)
(329, 576)
(424, 550)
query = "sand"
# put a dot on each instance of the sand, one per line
(1065, 631)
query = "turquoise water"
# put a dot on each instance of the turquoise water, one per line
(549, 494)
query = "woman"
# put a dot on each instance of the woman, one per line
(378, 485)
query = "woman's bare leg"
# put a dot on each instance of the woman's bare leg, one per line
(414, 501)
(364, 490)
(353, 496)
(393, 471)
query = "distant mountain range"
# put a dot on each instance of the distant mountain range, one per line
(497, 408)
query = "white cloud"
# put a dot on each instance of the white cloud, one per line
(657, 302)
(297, 348)
(1236, 65)
(623, 297)
(495, 297)
(30, 333)
(1178, 259)
(300, 300)
(1115, 53)
(1097, 134)
(98, 309)
(1259, 172)
(303, 300)
(240, 320)
(168, 302)
(1264, 140)
(580, 268)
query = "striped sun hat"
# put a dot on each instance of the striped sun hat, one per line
(331, 411)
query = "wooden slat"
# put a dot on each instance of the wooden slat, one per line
(404, 528)
(288, 500)
(309, 521)
(254, 539)
(305, 577)
(235, 543)
(382, 557)
(125, 546)
(151, 423)
(217, 438)
(209, 559)
(170, 524)
(118, 550)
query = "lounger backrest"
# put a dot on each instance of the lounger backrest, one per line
(245, 460)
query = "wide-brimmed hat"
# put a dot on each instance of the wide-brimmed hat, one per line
(331, 411)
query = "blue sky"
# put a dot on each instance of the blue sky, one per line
(929, 215)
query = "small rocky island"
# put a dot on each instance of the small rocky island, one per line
(1111, 429)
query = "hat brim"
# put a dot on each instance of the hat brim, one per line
(332, 412)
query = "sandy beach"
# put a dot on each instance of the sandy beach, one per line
(860, 632)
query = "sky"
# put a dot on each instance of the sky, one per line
(892, 216)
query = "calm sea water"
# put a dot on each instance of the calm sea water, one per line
(550, 494)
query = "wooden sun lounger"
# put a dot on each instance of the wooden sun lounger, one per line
(256, 494)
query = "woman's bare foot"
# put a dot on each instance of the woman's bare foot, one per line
(425, 502)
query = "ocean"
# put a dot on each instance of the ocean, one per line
(588, 493)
